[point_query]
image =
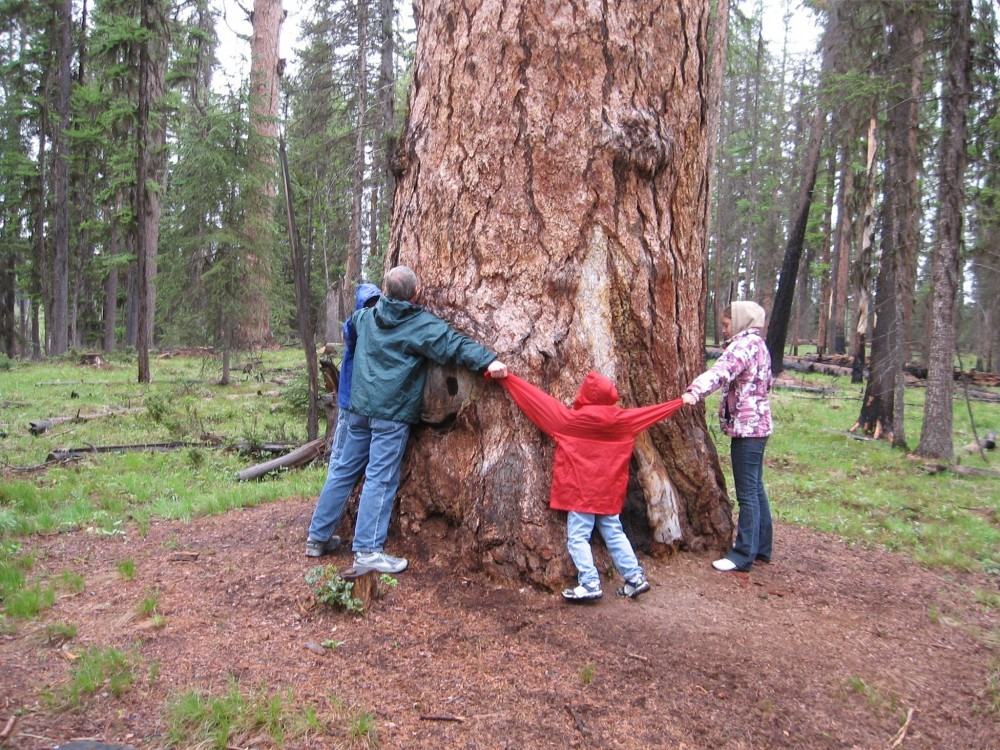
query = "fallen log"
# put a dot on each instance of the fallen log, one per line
(299, 457)
(67, 454)
(41, 425)
(967, 471)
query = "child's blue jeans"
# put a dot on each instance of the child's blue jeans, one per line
(580, 527)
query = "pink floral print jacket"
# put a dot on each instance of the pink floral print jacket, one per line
(744, 373)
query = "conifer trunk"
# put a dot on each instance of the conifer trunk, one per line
(552, 195)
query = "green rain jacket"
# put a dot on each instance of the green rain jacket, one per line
(395, 340)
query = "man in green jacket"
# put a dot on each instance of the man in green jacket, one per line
(394, 341)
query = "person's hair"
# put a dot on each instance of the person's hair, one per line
(400, 283)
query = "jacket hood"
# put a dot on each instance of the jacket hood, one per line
(596, 390)
(365, 292)
(745, 315)
(389, 312)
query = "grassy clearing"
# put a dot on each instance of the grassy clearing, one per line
(868, 493)
(818, 474)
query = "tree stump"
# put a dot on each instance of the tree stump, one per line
(365, 582)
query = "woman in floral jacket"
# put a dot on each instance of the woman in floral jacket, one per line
(744, 374)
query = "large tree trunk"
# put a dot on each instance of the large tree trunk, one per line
(552, 196)
(935, 434)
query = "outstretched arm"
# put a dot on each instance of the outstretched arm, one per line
(642, 417)
(548, 413)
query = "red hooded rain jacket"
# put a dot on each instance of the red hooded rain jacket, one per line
(594, 440)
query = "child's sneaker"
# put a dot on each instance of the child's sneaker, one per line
(583, 592)
(632, 589)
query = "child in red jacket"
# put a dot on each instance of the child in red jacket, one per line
(594, 442)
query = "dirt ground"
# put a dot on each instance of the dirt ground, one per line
(827, 647)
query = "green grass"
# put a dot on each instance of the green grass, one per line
(871, 494)
(98, 669)
(220, 721)
(147, 607)
(126, 569)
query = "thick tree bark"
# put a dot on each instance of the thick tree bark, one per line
(552, 195)
(935, 434)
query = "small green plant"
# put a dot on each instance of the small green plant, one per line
(158, 409)
(126, 569)
(331, 589)
(989, 599)
(147, 607)
(387, 580)
(159, 622)
(196, 458)
(99, 669)
(70, 580)
(362, 726)
(587, 673)
(992, 691)
(154, 672)
(59, 632)
(6, 363)
(332, 644)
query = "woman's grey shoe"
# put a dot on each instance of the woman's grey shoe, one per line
(316, 548)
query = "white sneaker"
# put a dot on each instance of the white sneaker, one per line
(380, 561)
(725, 565)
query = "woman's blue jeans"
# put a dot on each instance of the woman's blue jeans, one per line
(373, 447)
(753, 528)
(580, 526)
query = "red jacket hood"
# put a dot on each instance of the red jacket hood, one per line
(596, 390)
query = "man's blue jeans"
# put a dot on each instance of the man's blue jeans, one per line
(374, 447)
(753, 528)
(580, 526)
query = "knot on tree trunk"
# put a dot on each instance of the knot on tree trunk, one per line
(447, 392)
(639, 142)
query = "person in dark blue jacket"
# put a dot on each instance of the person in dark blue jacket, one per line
(366, 295)
(395, 339)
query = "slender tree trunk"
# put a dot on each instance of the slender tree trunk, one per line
(58, 324)
(111, 282)
(836, 339)
(352, 274)
(935, 435)
(552, 196)
(254, 325)
(718, 41)
(777, 328)
(883, 404)
(304, 323)
(387, 122)
(151, 137)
